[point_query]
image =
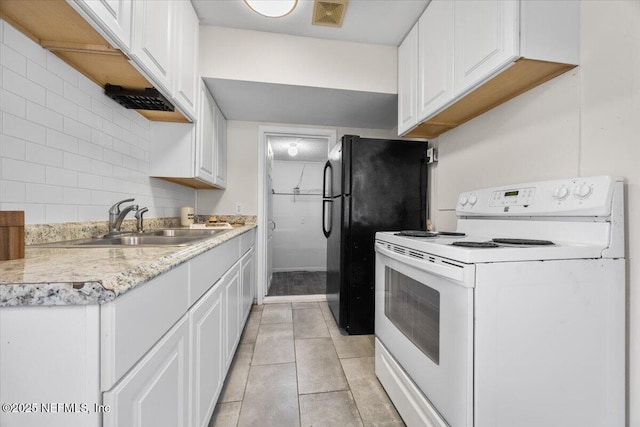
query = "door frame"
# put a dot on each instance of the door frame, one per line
(264, 132)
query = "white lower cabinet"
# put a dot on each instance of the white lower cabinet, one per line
(207, 355)
(248, 283)
(232, 299)
(156, 392)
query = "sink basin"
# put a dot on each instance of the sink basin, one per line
(168, 237)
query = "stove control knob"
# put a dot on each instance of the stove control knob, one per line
(463, 200)
(472, 199)
(560, 193)
(583, 191)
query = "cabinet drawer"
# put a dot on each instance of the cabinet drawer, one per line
(207, 268)
(133, 323)
(247, 240)
(156, 391)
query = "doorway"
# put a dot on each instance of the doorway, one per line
(292, 262)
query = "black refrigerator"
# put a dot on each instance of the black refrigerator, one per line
(369, 185)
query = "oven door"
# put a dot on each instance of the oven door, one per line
(424, 318)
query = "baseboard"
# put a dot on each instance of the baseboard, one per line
(294, 298)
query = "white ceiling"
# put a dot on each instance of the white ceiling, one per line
(366, 21)
(309, 149)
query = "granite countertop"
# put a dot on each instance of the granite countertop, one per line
(79, 276)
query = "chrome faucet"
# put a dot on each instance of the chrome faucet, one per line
(116, 216)
(140, 225)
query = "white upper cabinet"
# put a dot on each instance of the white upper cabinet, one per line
(206, 138)
(113, 16)
(408, 81)
(186, 51)
(221, 149)
(473, 55)
(152, 45)
(435, 57)
(486, 39)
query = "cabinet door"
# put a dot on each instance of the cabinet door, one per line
(247, 265)
(152, 43)
(205, 140)
(232, 299)
(408, 81)
(113, 17)
(486, 39)
(186, 86)
(435, 58)
(155, 393)
(207, 332)
(221, 149)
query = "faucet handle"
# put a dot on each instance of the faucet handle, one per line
(115, 209)
(138, 215)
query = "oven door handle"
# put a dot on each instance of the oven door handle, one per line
(461, 274)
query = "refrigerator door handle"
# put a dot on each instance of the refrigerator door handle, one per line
(327, 166)
(327, 231)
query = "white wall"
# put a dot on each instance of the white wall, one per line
(294, 60)
(242, 167)
(67, 152)
(298, 242)
(586, 122)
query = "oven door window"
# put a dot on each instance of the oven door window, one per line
(414, 308)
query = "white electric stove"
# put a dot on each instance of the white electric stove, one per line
(526, 327)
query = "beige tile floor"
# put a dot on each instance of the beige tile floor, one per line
(294, 368)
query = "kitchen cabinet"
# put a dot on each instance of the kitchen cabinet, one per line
(152, 47)
(192, 155)
(207, 334)
(476, 55)
(112, 16)
(486, 39)
(155, 356)
(435, 57)
(247, 265)
(408, 81)
(186, 58)
(156, 392)
(231, 284)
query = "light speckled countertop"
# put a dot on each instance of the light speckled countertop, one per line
(77, 276)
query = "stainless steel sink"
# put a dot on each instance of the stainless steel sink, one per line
(167, 237)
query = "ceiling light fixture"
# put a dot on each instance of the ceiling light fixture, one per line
(293, 149)
(272, 8)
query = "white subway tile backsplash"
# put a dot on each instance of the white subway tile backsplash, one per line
(11, 147)
(61, 213)
(67, 151)
(62, 69)
(22, 86)
(13, 104)
(41, 154)
(77, 129)
(13, 60)
(39, 74)
(62, 105)
(42, 193)
(62, 177)
(13, 191)
(23, 44)
(76, 162)
(23, 129)
(76, 196)
(38, 114)
(77, 96)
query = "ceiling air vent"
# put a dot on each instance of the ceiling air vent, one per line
(329, 13)
(138, 99)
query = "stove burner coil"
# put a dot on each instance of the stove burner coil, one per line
(417, 233)
(476, 244)
(531, 242)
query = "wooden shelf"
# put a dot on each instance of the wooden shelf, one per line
(189, 182)
(521, 76)
(56, 26)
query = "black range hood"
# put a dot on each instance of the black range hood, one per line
(138, 99)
